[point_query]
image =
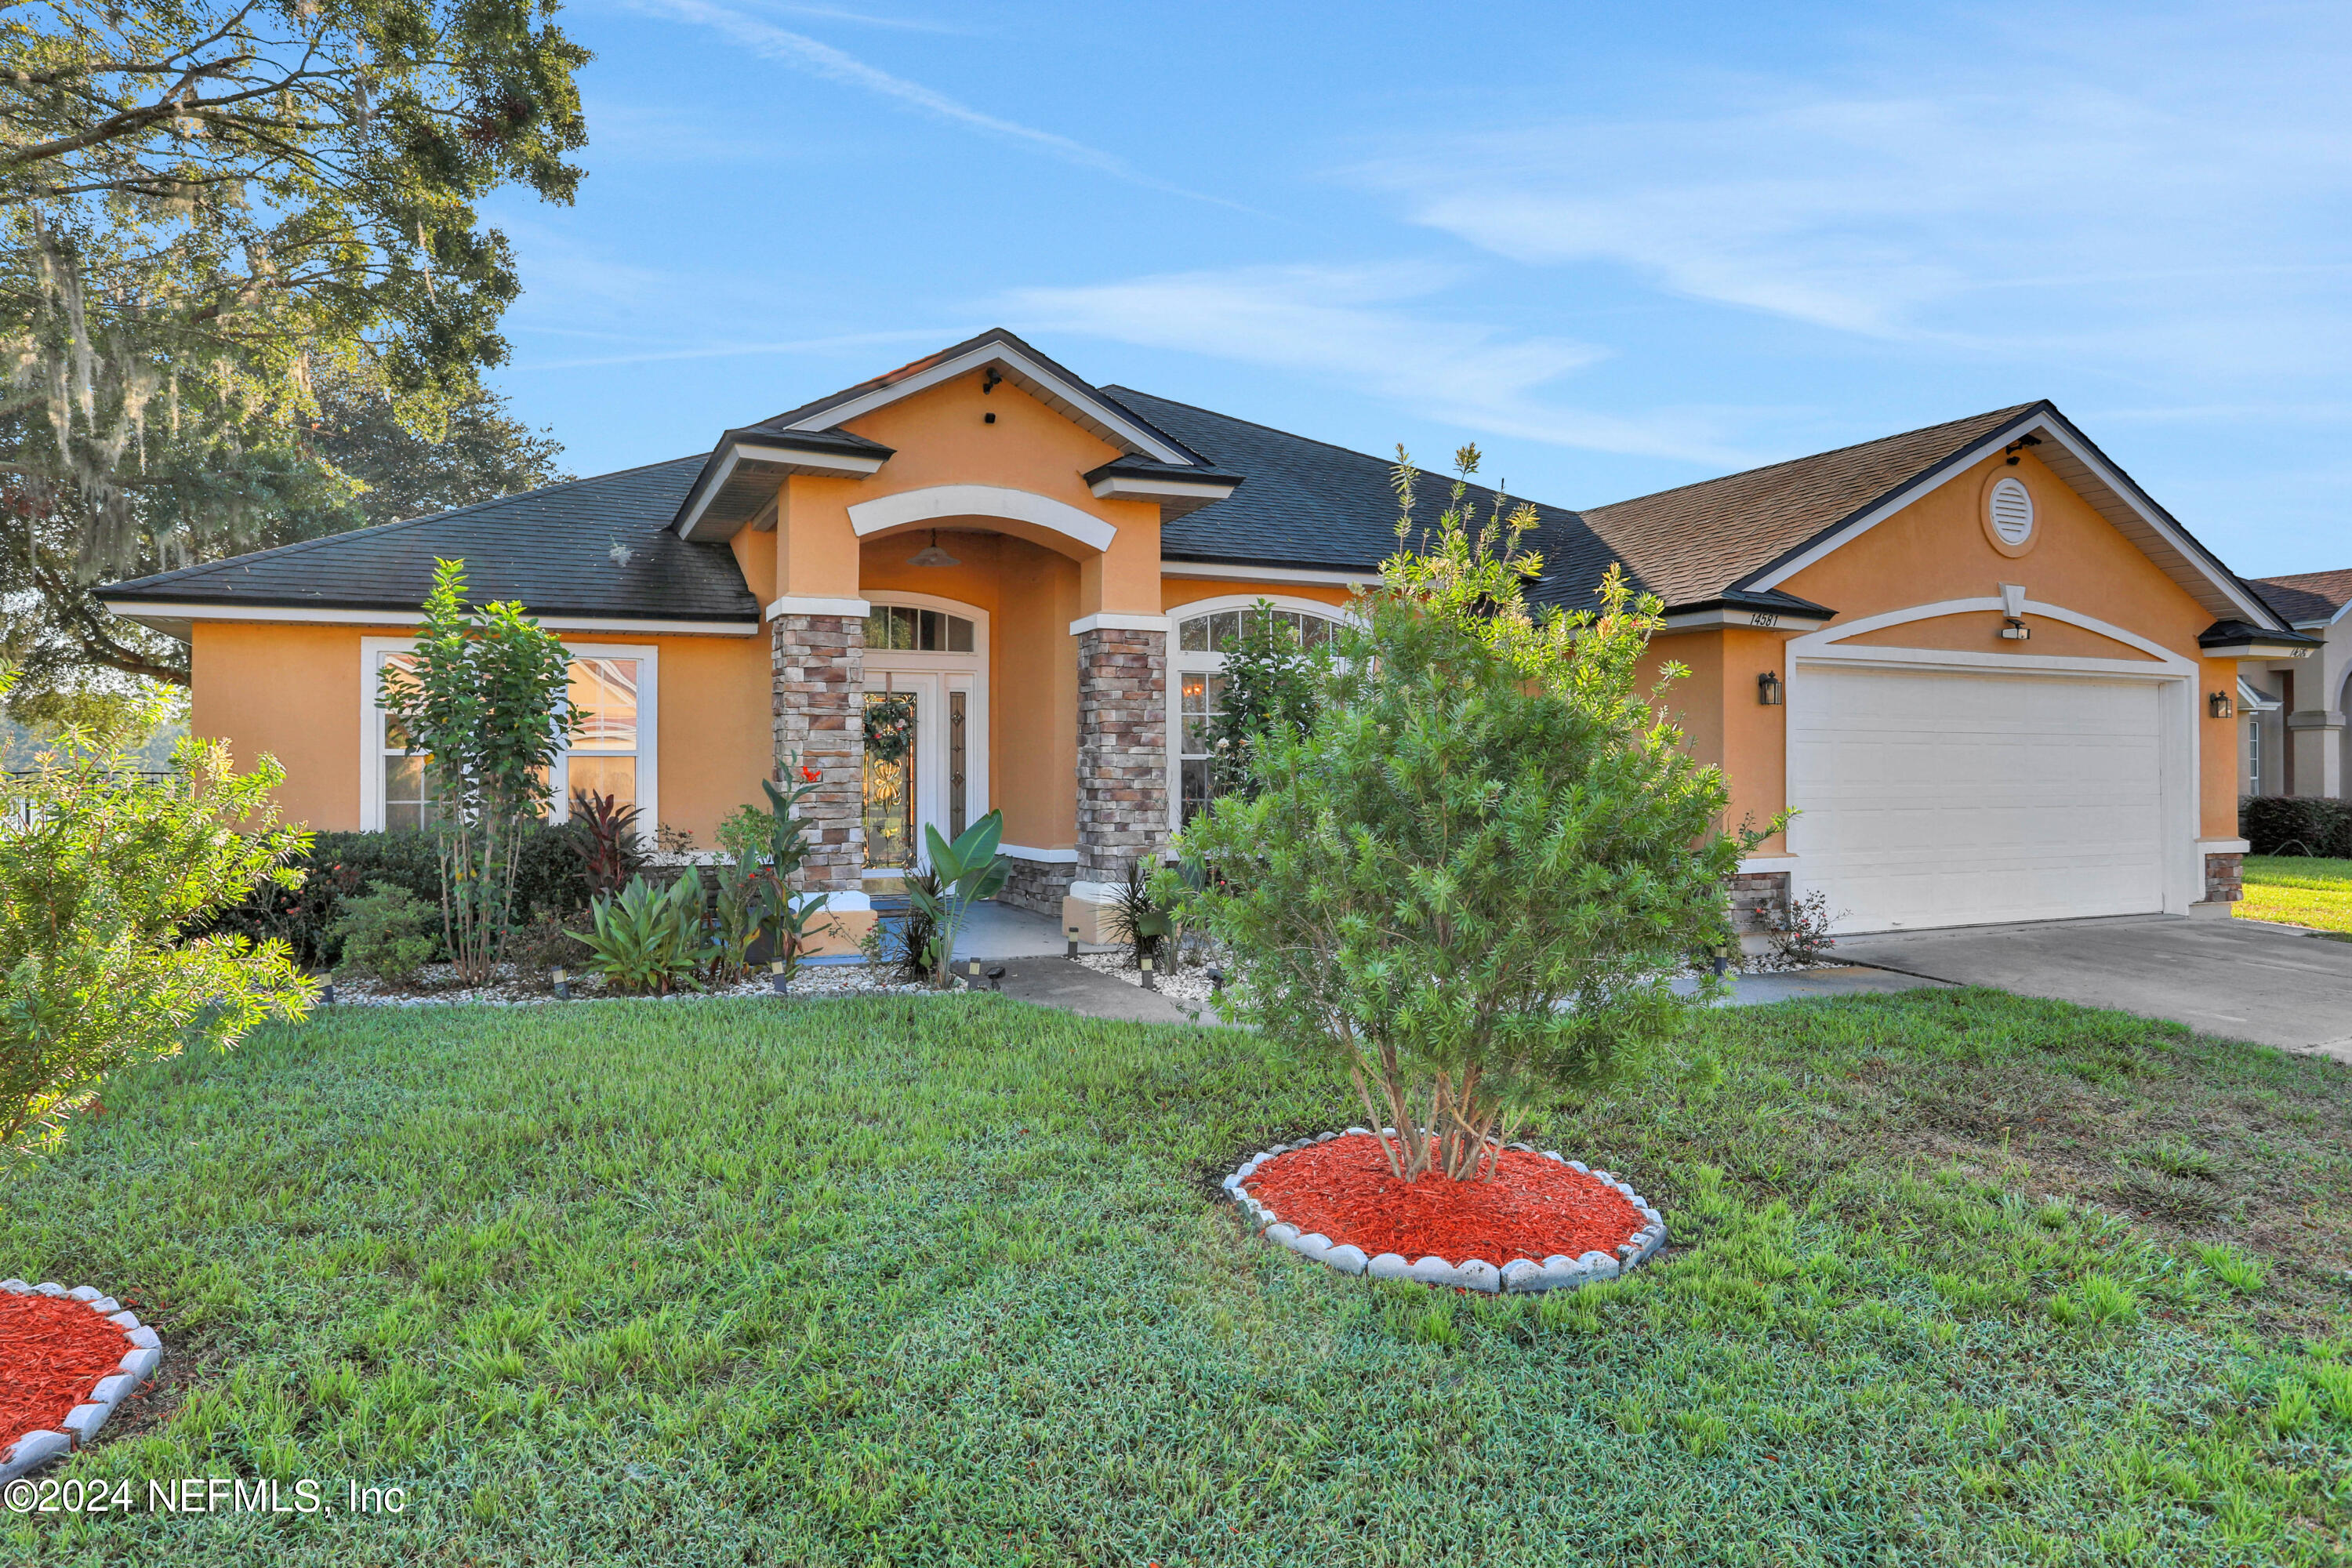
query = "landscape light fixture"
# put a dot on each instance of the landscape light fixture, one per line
(1767, 690)
(2219, 705)
(563, 984)
(932, 554)
(1143, 966)
(1074, 941)
(778, 981)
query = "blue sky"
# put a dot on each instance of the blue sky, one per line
(1621, 247)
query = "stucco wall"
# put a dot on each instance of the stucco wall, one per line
(292, 692)
(1722, 722)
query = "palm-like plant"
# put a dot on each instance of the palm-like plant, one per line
(1137, 918)
(968, 870)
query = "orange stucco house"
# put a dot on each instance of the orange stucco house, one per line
(1994, 677)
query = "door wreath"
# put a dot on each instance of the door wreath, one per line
(889, 725)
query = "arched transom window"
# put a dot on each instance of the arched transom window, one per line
(1198, 686)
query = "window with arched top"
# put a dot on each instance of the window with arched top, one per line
(1197, 682)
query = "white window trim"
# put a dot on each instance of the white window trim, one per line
(1181, 662)
(648, 730)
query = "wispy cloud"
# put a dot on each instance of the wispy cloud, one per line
(804, 53)
(1359, 326)
(861, 18)
(2156, 197)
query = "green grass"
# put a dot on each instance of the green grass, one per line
(1957, 1277)
(2299, 890)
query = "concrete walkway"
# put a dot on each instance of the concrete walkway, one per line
(1057, 983)
(2237, 978)
(1831, 980)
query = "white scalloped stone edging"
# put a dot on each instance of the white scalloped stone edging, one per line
(1520, 1275)
(33, 1449)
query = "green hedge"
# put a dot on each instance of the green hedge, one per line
(2296, 825)
(549, 880)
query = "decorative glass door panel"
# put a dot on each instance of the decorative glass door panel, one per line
(893, 769)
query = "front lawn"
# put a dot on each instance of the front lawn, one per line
(1957, 1277)
(2304, 891)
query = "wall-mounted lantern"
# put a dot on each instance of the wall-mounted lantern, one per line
(2221, 705)
(1767, 690)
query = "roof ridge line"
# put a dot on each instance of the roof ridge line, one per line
(186, 573)
(1827, 452)
(1331, 445)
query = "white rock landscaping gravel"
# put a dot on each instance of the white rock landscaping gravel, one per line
(1187, 987)
(513, 988)
(33, 1449)
(1555, 1273)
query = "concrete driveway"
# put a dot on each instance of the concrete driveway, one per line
(2225, 977)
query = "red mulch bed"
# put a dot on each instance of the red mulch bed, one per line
(53, 1350)
(1534, 1207)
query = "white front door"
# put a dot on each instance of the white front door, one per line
(924, 741)
(1934, 799)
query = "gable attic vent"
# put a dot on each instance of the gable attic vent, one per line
(2010, 507)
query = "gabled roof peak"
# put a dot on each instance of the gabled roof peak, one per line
(712, 508)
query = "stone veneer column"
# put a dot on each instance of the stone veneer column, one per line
(819, 665)
(1123, 763)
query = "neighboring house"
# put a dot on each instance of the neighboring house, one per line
(2296, 741)
(1987, 669)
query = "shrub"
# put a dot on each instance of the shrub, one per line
(604, 834)
(544, 942)
(548, 882)
(389, 933)
(1474, 878)
(482, 696)
(2296, 825)
(1798, 929)
(100, 871)
(1269, 687)
(756, 900)
(648, 940)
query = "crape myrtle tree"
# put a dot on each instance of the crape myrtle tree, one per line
(101, 869)
(209, 211)
(1472, 878)
(483, 697)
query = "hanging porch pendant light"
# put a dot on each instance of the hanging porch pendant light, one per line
(932, 554)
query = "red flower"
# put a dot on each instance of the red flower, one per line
(809, 773)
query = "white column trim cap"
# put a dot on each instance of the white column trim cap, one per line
(2225, 847)
(1115, 623)
(1094, 892)
(1047, 857)
(855, 609)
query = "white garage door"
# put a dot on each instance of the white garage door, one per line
(1940, 800)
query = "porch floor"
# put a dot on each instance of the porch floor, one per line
(994, 931)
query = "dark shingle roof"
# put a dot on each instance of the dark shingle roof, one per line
(1691, 543)
(1305, 503)
(550, 548)
(2307, 596)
